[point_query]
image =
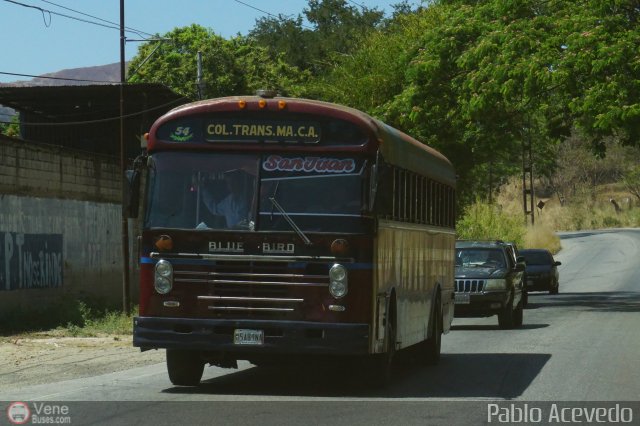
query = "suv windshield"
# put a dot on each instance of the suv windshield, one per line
(231, 191)
(480, 257)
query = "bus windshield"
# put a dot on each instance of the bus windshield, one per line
(219, 191)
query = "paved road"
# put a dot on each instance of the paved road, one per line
(580, 345)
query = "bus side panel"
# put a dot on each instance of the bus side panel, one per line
(412, 260)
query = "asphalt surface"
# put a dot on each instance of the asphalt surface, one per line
(578, 348)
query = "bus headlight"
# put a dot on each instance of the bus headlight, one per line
(338, 282)
(163, 281)
(496, 284)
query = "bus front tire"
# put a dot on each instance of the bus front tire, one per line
(431, 347)
(185, 367)
(380, 366)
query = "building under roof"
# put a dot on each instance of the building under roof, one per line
(88, 117)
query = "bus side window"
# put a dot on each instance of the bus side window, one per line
(384, 196)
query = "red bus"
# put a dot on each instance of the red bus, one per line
(277, 228)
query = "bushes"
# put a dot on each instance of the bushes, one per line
(70, 317)
(482, 221)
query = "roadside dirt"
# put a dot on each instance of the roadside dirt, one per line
(34, 360)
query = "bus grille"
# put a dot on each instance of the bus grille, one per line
(250, 289)
(469, 286)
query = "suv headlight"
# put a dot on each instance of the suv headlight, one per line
(338, 281)
(496, 284)
(163, 280)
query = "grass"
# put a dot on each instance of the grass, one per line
(589, 209)
(100, 323)
(72, 318)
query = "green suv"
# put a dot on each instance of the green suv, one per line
(489, 282)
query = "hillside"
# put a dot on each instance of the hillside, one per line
(102, 73)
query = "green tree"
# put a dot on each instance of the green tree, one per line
(599, 67)
(230, 67)
(11, 129)
(479, 78)
(335, 29)
(284, 36)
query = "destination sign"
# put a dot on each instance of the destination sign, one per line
(225, 129)
(268, 131)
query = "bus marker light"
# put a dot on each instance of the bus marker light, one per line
(171, 303)
(339, 247)
(164, 242)
(282, 104)
(242, 104)
(337, 308)
(262, 103)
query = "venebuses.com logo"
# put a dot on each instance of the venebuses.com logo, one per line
(18, 413)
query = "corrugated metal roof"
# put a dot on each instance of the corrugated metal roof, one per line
(78, 103)
(87, 117)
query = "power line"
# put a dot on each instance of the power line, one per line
(255, 8)
(58, 78)
(50, 12)
(357, 4)
(269, 13)
(139, 32)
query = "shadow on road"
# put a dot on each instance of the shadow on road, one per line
(616, 301)
(487, 375)
(487, 327)
(578, 235)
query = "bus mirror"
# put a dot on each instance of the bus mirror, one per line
(133, 194)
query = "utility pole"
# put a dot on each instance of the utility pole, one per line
(126, 303)
(527, 178)
(199, 82)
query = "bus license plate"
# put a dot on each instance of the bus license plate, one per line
(243, 336)
(463, 298)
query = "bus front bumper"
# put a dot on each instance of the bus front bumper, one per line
(279, 337)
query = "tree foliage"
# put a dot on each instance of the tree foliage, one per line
(11, 129)
(476, 79)
(335, 29)
(230, 67)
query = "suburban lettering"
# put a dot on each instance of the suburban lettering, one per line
(308, 164)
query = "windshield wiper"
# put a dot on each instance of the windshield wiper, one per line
(290, 221)
(273, 196)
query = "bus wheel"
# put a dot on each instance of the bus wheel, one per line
(381, 365)
(185, 367)
(431, 346)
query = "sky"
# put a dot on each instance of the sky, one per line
(36, 42)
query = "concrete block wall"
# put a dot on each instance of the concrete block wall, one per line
(45, 170)
(51, 196)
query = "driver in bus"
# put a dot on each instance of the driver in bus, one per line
(234, 206)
